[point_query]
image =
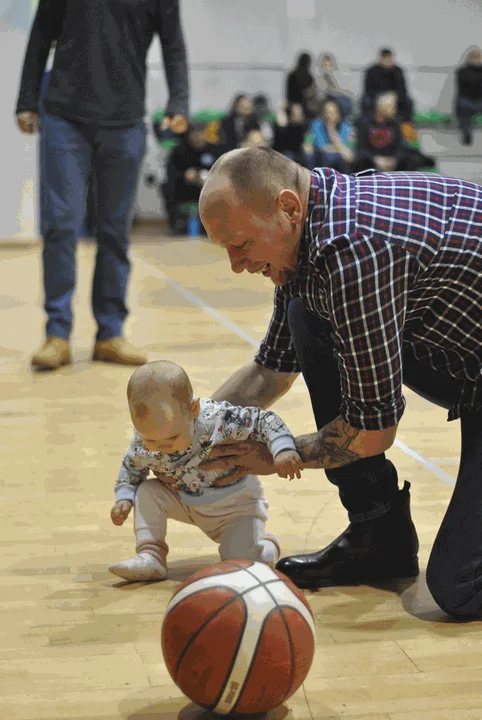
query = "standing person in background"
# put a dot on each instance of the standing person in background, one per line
(94, 121)
(468, 100)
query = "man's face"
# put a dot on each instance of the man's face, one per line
(259, 243)
(244, 107)
(197, 139)
(387, 61)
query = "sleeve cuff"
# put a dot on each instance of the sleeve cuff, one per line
(284, 442)
(371, 417)
(125, 493)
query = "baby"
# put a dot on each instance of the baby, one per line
(174, 432)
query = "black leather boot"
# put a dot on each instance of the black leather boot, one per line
(381, 549)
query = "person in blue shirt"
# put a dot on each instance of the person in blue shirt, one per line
(332, 136)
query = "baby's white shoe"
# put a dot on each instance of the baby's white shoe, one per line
(141, 568)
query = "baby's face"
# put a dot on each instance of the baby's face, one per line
(166, 435)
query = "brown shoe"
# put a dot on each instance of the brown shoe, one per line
(118, 350)
(54, 353)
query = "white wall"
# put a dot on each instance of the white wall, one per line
(246, 45)
(18, 152)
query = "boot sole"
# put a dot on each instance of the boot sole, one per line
(405, 572)
(116, 361)
(46, 366)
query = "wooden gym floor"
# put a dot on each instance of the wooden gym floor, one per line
(75, 642)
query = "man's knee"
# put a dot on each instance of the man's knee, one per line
(457, 597)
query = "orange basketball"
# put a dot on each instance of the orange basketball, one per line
(238, 638)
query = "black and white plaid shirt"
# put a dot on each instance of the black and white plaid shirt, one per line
(388, 259)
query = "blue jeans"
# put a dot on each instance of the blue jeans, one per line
(69, 151)
(465, 109)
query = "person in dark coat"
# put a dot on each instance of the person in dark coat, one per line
(301, 88)
(93, 122)
(385, 76)
(186, 171)
(468, 99)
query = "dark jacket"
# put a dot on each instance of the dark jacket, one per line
(469, 82)
(380, 80)
(99, 70)
(234, 130)
(183, 157)
(289, 138)
(297, 82)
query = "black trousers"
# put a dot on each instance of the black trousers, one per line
(366, 487)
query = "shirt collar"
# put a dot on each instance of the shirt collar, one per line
(316, 210)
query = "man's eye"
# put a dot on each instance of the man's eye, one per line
(242, 245)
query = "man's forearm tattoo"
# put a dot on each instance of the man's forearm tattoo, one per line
(331, 447)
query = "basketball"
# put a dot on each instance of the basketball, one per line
(238, 638)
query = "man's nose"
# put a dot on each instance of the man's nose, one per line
(238, 262)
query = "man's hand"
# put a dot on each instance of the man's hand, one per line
(120, 512)
(177, 123)
(241, 458)
(288, 464)
(27, 122)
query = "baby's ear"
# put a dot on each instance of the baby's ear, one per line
(196, 407)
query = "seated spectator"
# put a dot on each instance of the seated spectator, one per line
(380, 142)
(332, 136)
(385, 76)
(468, 99)
(301, 87)
(236, 125)
(186, 171)
(262, 112)
(289, 132)
(329, 85)
(291, 139)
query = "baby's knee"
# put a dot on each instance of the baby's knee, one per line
(240, 551)
(265, 550)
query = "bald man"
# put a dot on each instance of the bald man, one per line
(378, 280)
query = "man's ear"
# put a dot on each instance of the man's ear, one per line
(290, 203)
(196, 407)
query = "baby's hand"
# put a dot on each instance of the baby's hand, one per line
(120, 512)
(288, 464)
